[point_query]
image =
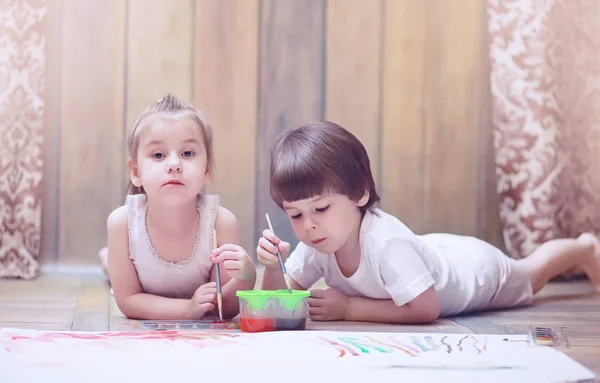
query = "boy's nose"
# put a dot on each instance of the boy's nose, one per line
(310, 224)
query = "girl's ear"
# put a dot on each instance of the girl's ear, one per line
(207, 177)
(134, 173)
(364, 199)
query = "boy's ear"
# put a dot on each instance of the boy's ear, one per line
(364, 199)
(134, 173)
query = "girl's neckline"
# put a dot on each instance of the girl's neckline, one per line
(155, 253)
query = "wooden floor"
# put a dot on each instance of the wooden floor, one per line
(82, 302)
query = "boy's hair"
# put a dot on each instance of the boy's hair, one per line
(169, 107)
(319, 156)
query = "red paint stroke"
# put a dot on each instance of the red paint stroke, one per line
(169, 335)
(396, 346)
(409, 347)
(257, 324)
(342, 348)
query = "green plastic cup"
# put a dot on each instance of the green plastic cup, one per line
(269, 310)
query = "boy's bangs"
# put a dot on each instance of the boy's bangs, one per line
(291, 182)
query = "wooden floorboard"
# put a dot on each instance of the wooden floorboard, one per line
(92, 308)
(62, 302)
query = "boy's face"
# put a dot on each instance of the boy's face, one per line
(324, 222)
(171, 161)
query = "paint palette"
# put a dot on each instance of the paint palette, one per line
(273, 310)
(548, 336)
(189, 325)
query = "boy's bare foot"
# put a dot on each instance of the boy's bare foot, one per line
(591, 264)
(103, 255)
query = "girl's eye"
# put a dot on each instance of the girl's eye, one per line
(188, 153)
(322, 209)
(157, 156)
(296, 216)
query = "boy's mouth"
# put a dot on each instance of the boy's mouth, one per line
(317, 241)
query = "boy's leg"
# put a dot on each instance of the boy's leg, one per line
(557, 256)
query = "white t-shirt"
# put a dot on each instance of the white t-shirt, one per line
(397, 264)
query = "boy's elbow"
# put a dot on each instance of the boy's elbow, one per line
(425, 314)
(432, 314)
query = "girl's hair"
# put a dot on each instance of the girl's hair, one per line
(320, 156)
(169, 107)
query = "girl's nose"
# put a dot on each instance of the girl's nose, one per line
(174, 165)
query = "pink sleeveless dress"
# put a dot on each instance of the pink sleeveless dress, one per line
(171, 279)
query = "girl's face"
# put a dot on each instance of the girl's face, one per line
(325, 222)
(171, 162)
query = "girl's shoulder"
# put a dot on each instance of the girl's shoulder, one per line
(118, 219)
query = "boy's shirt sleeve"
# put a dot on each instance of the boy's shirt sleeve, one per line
(303, 266)
(405, 275)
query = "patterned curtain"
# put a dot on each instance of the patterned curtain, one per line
(22, 70)
(545, 82)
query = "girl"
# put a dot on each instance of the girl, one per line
(377, 268)
(160, 253)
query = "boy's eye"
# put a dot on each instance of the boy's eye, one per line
(322, 209)
(157, 155)
(188, 153)
(296, 216)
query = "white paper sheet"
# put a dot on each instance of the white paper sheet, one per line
(229, 356)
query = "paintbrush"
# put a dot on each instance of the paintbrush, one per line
(285, 276)
(219, 296)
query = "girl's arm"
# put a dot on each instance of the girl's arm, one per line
(423, 309)
(130, 298)
(227, 230)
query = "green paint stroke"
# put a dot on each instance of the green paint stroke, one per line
(417, 342)
(362, 346)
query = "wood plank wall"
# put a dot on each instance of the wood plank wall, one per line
(409, 78)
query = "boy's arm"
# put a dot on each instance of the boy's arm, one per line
(227, 230)
(330, 304)
(273, 280)
(302, 268)
(130, 298)
(423, 309)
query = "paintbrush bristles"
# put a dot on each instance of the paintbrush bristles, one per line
(218, 277)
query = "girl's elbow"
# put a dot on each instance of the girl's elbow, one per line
(127, 308)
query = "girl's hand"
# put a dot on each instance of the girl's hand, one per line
(203, 301)
(327, 305)
(266, 252)
(236, 261)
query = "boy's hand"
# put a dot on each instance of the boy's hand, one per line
(266, 252)
(327, 305)
(236, 261)
(203, 301)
